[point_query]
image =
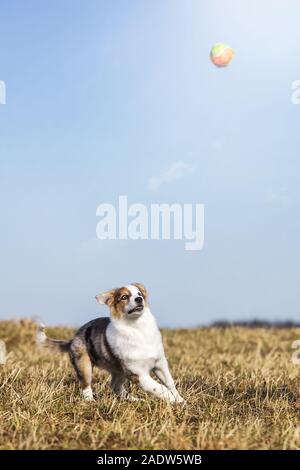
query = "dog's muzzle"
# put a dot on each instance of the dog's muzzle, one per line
(138, 308)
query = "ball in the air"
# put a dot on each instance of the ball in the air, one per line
(221, 55)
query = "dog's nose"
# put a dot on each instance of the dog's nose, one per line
(139, 300)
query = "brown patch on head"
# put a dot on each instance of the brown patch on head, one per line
(120, 300)
(141, 288)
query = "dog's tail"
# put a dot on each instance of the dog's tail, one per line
(57, 344)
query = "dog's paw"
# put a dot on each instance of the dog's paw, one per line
(179, 400)
(88, 394)
(89, 399)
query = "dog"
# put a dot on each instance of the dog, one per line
(128, 345)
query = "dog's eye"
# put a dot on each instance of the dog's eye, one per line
(140, 294)
(124, 297)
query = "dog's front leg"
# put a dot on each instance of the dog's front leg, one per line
(150, 385)
(117, 384)
(162, 372)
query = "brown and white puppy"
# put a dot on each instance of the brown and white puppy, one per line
(128, 345)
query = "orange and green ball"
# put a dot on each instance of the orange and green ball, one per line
(221, 55)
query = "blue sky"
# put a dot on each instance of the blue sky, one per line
(104, 96)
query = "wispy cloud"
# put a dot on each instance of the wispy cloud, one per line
(175, 171)
(279, 197)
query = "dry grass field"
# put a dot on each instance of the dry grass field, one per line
(242, 392)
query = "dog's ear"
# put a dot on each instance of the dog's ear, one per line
(142, 288)
(106, 298)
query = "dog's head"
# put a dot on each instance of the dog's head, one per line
(129, 301)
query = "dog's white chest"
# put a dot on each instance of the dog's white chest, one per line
(138, 345)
